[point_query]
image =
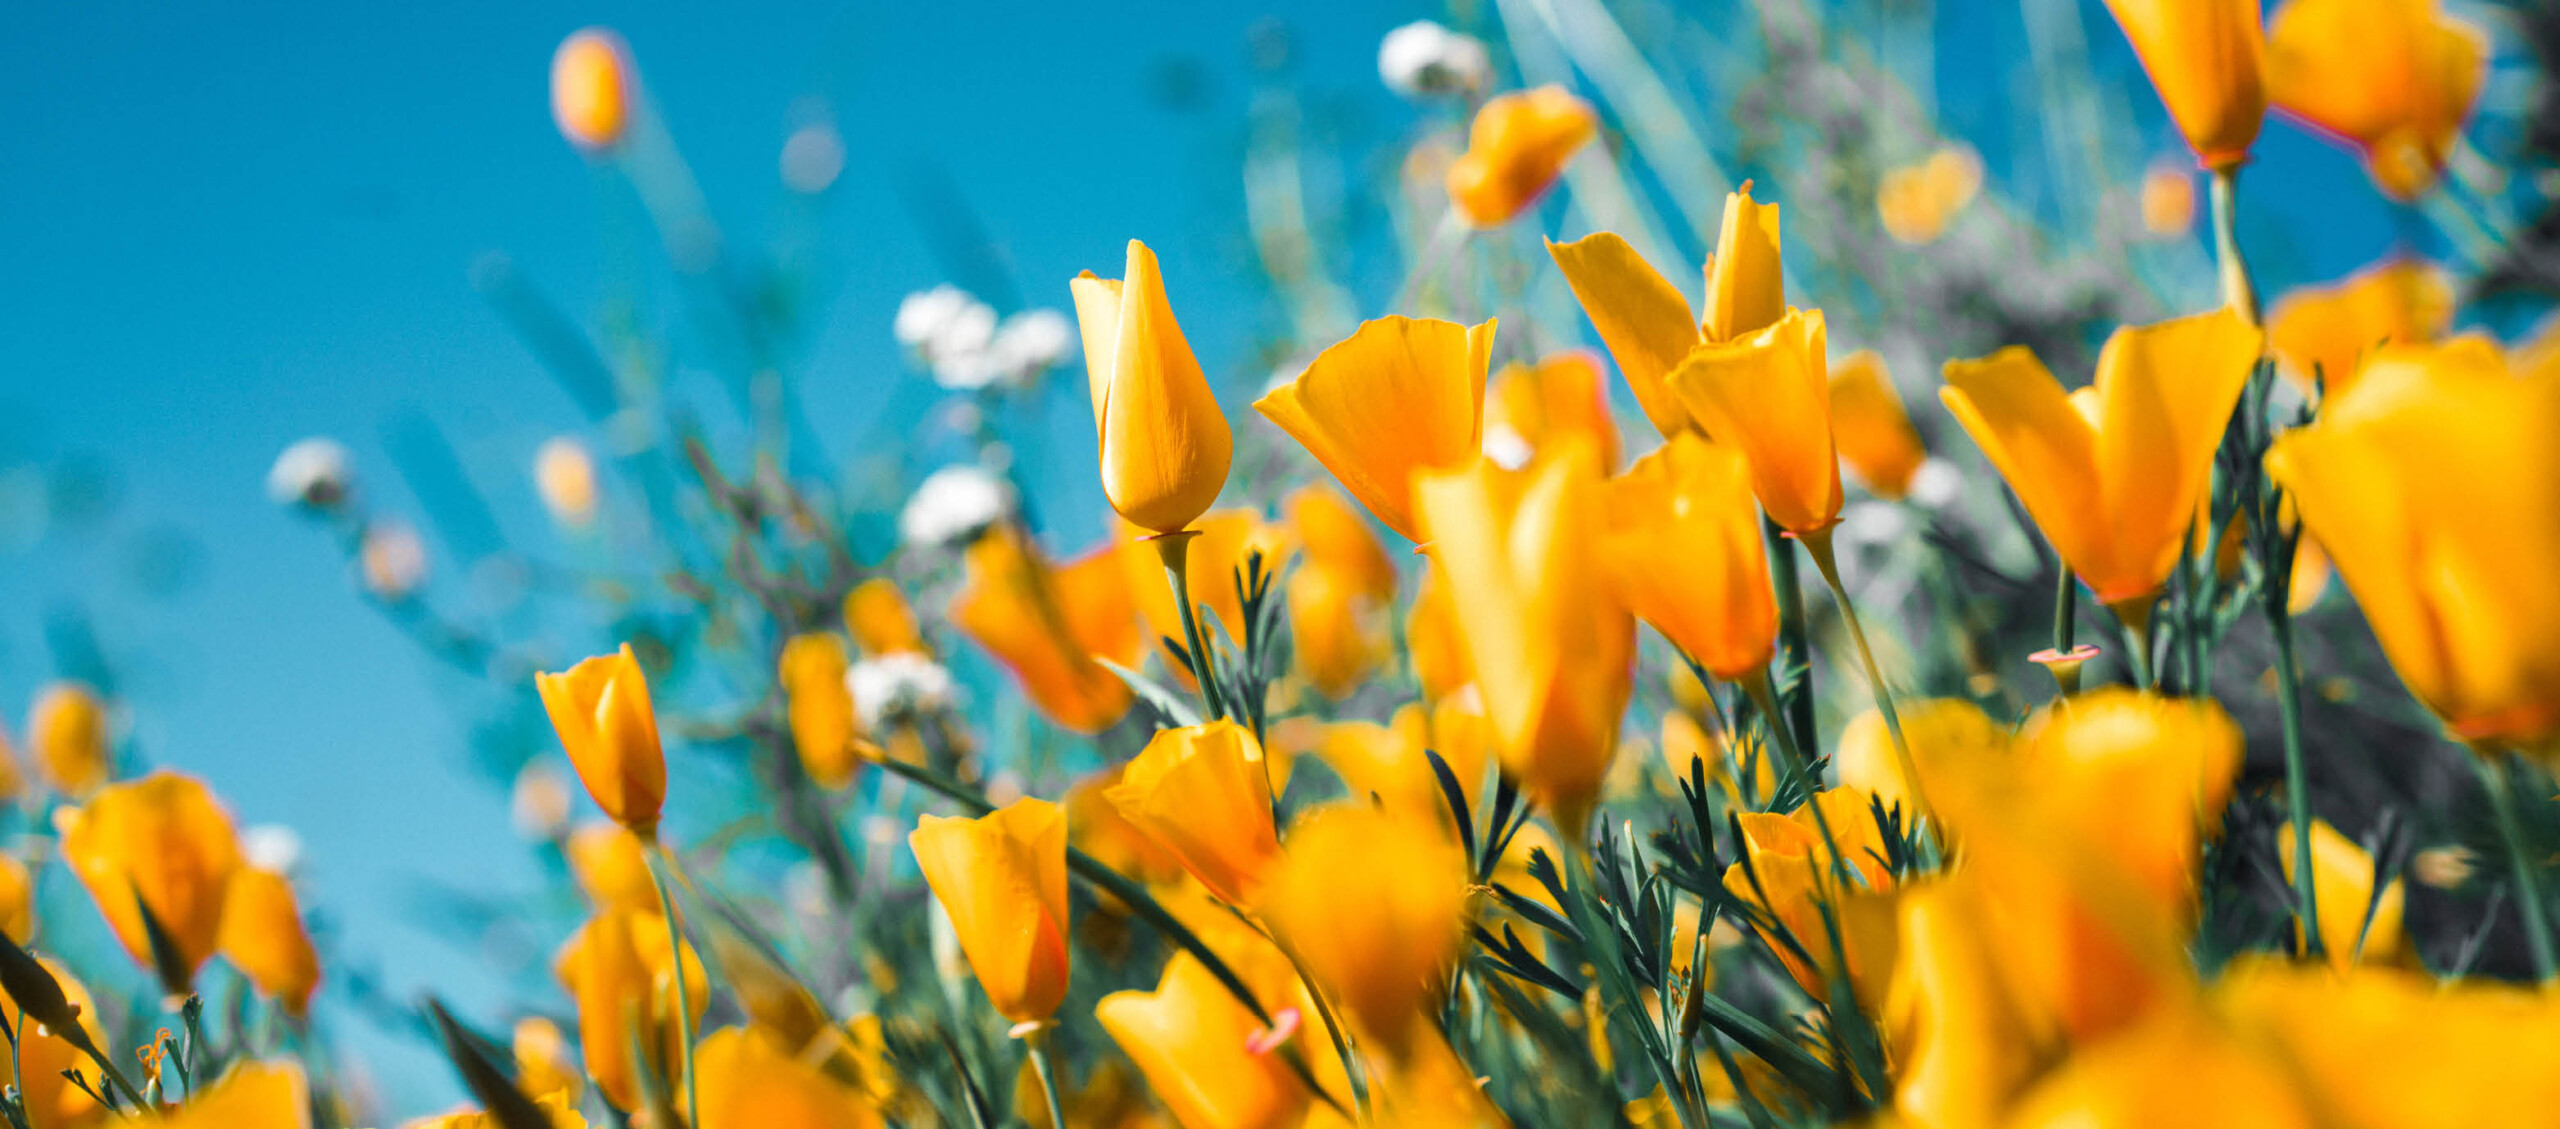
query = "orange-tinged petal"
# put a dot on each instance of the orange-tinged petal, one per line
(1532, 406)
(1434, 642)
(1335, 536)
(876, 615)
(1337, 633)
(252, 1094)
(1690, 502)
(1165, 444)
(592, 88)
(544, 1067)
(2207, 58)
(2395, 78)
(1202, 792)
(820, 707)
(51, 1101)
(1398, 396)
(2046, 449)
(748, 1081)
(2176, 1068)
(611, 865)
(620, 972)
(1002, 878)
(1870, 428)
(162, 837)
(1216, 557)
(1371, 904)
(67, 727)
(1640, 316)
(1190, 1038)
(263, 937)
(1945, 735)
(1970, 1042)
(2325, 332)
(1746, 284)
(1516, 147)
(1046, 626)
(1769, 394)
(2167, 391)
(602, 712)
(2356, 927)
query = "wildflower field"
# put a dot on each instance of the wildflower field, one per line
(1706, 599)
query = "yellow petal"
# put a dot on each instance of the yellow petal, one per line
(1870, 427)
(2026, 425)
(1769, 394)
(2396, 79)
(1400, 395)
(2206, 58)
(2167, 391)
(263, 937)
(2342, 875)
(1517, 145)
(1746, 288)
(1371, 904)
(1165, 444)
(1641, 318)
(1002, 878)
(1690, 501)
(1202, 793)
(2325, 332)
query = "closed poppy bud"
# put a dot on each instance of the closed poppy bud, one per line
(1690, 501)
(820, 705)
(263, 937)
(2112, 473)
(1530, 407)
(1552, 651)
(592, 89)
(2206, 58)
(566, 479)
(51, 1101)
(619, 971)
(748, 1081)
(2395, 79)
(543, 1065)
(252, 1094)
(1203, 793)
(1164, 443)
(1746, 282)
(1870, 428)
(602, 711)
(1792, 879)
(1371, 904)
(17, 899)
(1002, 878)
(165, 839)
(611, 866)
(1769, 394)
(1332, 535)
(2356, 927)
(2322, 334)
(1048, 625)
(877, 616)
(1196, 1045)
(68, 727)
(1400, 395)
(1434, 642)
(1517, 146)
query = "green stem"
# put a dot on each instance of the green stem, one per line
(1791, 632)
(2537, 918)
(656, 859)
(2297, 775)
(1818, 546)
(2066, 607)
(1038, 1040)
(1175, 548)
(2237, 289)
(2135, 615)
(1757, 685)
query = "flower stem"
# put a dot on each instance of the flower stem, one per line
(2297, 775)
(1038, 1041)
(656, 857)
(1817, 545)
(2537, 918)
(1791, 631)
(2237, 290)
(2066, 606)
(1175, 548)
(2135, 614)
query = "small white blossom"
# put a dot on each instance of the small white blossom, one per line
(923, 315)
(1031, 343)
(272, 847)
(894, 684)
(1873, 523)
(312, 473)
(952, 503)
(1422, 59)
(1936, 484)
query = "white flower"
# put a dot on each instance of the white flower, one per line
(1031, 343)
(923, 315)
(312, 473)
(1873, 523)
(954, 502)
(392, 559)
(812, 158)
(566, 478)
(895, 684)
(1422, 59)
(271, 847)
(1936, 484)
(1506, 447)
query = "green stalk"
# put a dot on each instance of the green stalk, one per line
(1038, 1041)
(2537, 917)
(2135, 615)
(1818, 546)
(1791, 631)
(2237, 290)
(2297, 775)
(1175, 548)
(655, 857)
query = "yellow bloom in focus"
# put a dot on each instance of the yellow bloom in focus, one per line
(1551, 650)
(2207, 58)
(2434, 488)
(1398, 397)
(611, 865)
(1371, 904)
(593, 89)
(68, 728)
(1193, 1042)
(1870, 427)
(1164, 443)
(1646, 323)
(566, 479)
(164, 838)
(253, 1094)
(2394, 78)
(51, 1101)
(1797, 873)
(1690, 502)
(2342, 878)
(1949, 732)
(1531, 407)
(263, 937)
(619, 971)
(17, 899)
(1202, 793)
(1002, 878)
(2112, 473)
(1517, 146)
(602, 711)
(2176, 1068)
(1047, 626)
(1917, 201)
(2327, 331)
(749, 1082)
(544, 1068)
(824, 728)
(1769, 394)
(2168, 200)
(876, 615)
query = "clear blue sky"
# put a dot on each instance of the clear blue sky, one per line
(227, 227)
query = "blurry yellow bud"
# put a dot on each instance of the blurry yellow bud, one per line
(2321, 335)
(1203, 793)
(1370, 903)
(262, 936)
(2168, 200)
(1690, 501)
(1002, 878)
(164, 838)
(747, 1081)
(602, 711)
(611, 865)
(68, 727)
(877, 616)
(593, 89)
(51, 1101)
(618, 969)
(1529, 408)
(1516, 147)
(17, 900)
(2342, 882)
(2395, 79)
(1917, 201)
(1798, 879)
(2206, 58)
(566, 479)
(253, 1094)
(544, 1067)
(1434, 642)
(1164, 443)
(1944, 734)
(1871, 428)
(824, 727)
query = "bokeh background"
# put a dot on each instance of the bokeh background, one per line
(230, 227)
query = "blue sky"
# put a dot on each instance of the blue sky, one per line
(232, 226)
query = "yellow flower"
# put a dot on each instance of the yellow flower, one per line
(1332, 535)
(1800, 880)
(592, 89)
(1337, 632)
(1517, 146)
(1434, 642)
(263, 937)
(611, 865)
(1645, 322)
(1769, 394)
(1096, 827)
(1371, 904)
(1968, 1044)
(1870, 427)
(1193, 1042)
(824, 728)
(253, 1094)
(2177, 1068)
(2168, 200)
(2206, 58)
(1550, 649)
(1531, 407)
(2112, 473)
(1917, 201)
(165, 839)
(1398, 397)
(68, 727)
(1047, 626)
(17, 899)
(1002, 878)
(2327, 331)
(51, 1101)
(1387, 761)
(2394, 78)
(566, 479)
(1948, 732)
(560, 1109)
(1202, 793)
(619, 971)
(543, 1066)
(2491, 1055)
(1690, 502)
(2433, 486)
(749, 1082)
(1164, 443)
(602, 711)
(876, 615)
(2342, 880)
